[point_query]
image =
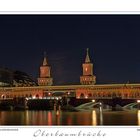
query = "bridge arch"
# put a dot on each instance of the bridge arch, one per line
(3, 96)
(82, 95)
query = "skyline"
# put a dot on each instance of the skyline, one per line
(113, 43)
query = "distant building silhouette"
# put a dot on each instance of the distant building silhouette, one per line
(9, 78)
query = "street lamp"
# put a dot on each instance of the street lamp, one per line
(93, 101)
(138, 101)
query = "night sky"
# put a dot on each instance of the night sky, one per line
(113, 41)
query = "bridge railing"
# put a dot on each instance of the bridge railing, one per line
(138, 97)
(94, 98)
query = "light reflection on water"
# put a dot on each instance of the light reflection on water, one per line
(101, 115)
(94, 117)
(138, 117)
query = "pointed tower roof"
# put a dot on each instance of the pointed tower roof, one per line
(87, 60)
(45, 63)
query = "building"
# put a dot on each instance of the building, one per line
(10, 78)
(6, 77)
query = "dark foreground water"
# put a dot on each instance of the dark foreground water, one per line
(69, 118)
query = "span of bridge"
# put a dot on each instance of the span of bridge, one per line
(81, 91)
(74, 87)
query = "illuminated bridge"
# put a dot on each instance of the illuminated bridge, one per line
(107, 91)
(87, 89)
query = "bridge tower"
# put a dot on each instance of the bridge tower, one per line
(45, 78)
(87, 78)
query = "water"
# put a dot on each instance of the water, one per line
(94, 117)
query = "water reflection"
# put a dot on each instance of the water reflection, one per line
(26, 117)
(138, 117)
(94, 117)
(49, 118)
(101, 115)
(58, 117)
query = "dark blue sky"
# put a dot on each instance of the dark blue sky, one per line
(113, 40)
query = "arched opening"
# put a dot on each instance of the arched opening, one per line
(3, 97)
(37, 96)
(82, 95)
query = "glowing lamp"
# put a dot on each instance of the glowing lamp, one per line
(34, 97)
(138, 101)
(93, 101)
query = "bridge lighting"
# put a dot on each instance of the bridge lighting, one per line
(86, 97)
(138, 101)
(34, 97)
(40, 98)
(2, 96)
(93, 101)
(27, 98)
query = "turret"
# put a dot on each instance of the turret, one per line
(45, 78)
(87, 78)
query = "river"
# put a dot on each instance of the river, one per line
(93, 117)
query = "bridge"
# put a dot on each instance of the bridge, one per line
(86, 90)
(106, 91)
